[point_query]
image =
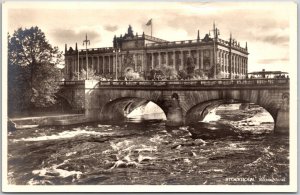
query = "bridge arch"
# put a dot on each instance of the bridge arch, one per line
(119, 108)
(205, 99)
(201, 110)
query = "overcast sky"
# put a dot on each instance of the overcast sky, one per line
(264, 25)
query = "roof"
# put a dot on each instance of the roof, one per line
(154, 39)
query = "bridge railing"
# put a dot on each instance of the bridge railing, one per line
(204, 83)
(223, 82)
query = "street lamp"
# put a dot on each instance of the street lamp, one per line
(86, 41)
(216, 33)
(117, 50)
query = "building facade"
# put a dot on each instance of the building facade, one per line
(213, 56)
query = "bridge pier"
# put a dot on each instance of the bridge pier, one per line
(282, 122)
(175, 112)
(283, 117)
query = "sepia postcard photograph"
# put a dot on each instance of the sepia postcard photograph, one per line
(155, 96)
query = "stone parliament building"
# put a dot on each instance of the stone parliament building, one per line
(142, 53)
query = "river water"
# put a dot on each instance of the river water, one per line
(221, 149)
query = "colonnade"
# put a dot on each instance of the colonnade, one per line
(177, 59)
(105, 64)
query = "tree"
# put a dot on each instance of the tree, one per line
(212, 73)
(82, 75)
(182, 74)
(32, 69)
(200, 74)
(169, 71)
(131, 75)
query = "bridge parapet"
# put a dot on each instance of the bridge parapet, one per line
(198, 83)
(65, 83)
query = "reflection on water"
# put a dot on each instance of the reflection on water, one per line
(147, 152)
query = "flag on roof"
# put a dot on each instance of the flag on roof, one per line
(149, 22)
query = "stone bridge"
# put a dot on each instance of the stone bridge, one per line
(183, 102)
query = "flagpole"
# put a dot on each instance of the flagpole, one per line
(78, 64)
(151, 27)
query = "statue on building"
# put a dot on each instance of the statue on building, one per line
(129, 33)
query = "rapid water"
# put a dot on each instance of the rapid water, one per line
(139, 151)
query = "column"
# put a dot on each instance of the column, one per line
(135, 62)
(201, 59)
(227, 62)
(167, 60)
(182, 58)
(211, 57)
(241, 65)
(77, 63)
(197, 58)
(73, 65)
(159, 59)
(238, 64)
(82, 64)
(121, 61)
(109, 64)
(243, 60)
(103, 67)
(234, 64)
(80, 61)
(174, 59)
(244, 68)
(244, 65)
(152, 60)
(66, 67)
(143, 58)
(98, 65)
(114, 62)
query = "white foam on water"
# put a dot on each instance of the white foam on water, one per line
(212, 170)
(211, 116)
(70, 153)
(186, 160)
(123, 151)
(56, 172)
(120, 145)
(63, 135)
(184, 128)
(104, 125)
(143, 158)
(144, 148)
(261, 117)
(156, 139)
(39, 182)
